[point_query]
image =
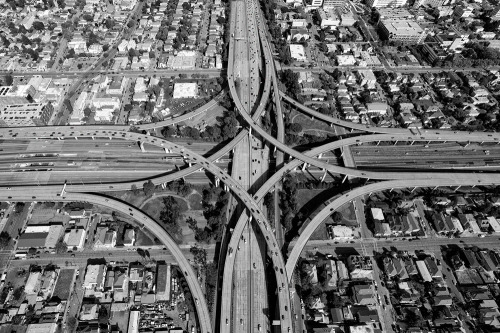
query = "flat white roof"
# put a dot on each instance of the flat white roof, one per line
(185, 90)
(377, 214)
(297, 52)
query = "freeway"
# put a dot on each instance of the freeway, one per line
(426, 137)
(473, 179)
(52, 194)
(238, 230)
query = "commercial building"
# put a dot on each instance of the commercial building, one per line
(94, 278)
(386, 3)
(297, 52)
(346, 60)
(24, 114)
(405, 31)
(32, 286)
(430, 3)
(185, 90)
(329, 18)
(183, 60)
(163, 277)
(117, 85)
(42, 328)
(55, 232)
(129, 237)
(78, 108)
(327, 4)
(367, 78)
(75, 238)
(34, 239)
(394, 14)
(133, 322)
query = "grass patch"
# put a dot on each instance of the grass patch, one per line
(62, 288)
(320, 233)
(311, 126)
(154, 207)
(142, 239)
(195, 201)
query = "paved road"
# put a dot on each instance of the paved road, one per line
(213, 72)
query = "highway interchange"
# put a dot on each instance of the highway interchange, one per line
(250, 106)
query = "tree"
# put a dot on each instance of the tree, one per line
(109, 23)
(37, 25)
(4, 239)
(148, 188)
(170, 215)
(87, 112)
(18, 292)
(134, 189)
(61, 247)
(8, 79)
(71, 53)
(337, 217)
(88, 17)
(79, 66)
(72, 322)
(152, 54)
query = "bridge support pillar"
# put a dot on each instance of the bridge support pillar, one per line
(76, 138)
(481, 142)
(378, 143)
(428, 142)
(110, 137)
(435, 188)
(392, 189)
(395, 143)
(217, 181)
(93, 138)
(58, 138)
(341, 151)
(343, 180)
(458, 187)
(473, 186)
(304, 166)
(167, 151)
(411, 144)
(320, 155)
(413, 189)
(370, 194)
(141, 144)
(322, 179)
(331, 124)
(445, 141)
(226, 188)
(190, 164)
